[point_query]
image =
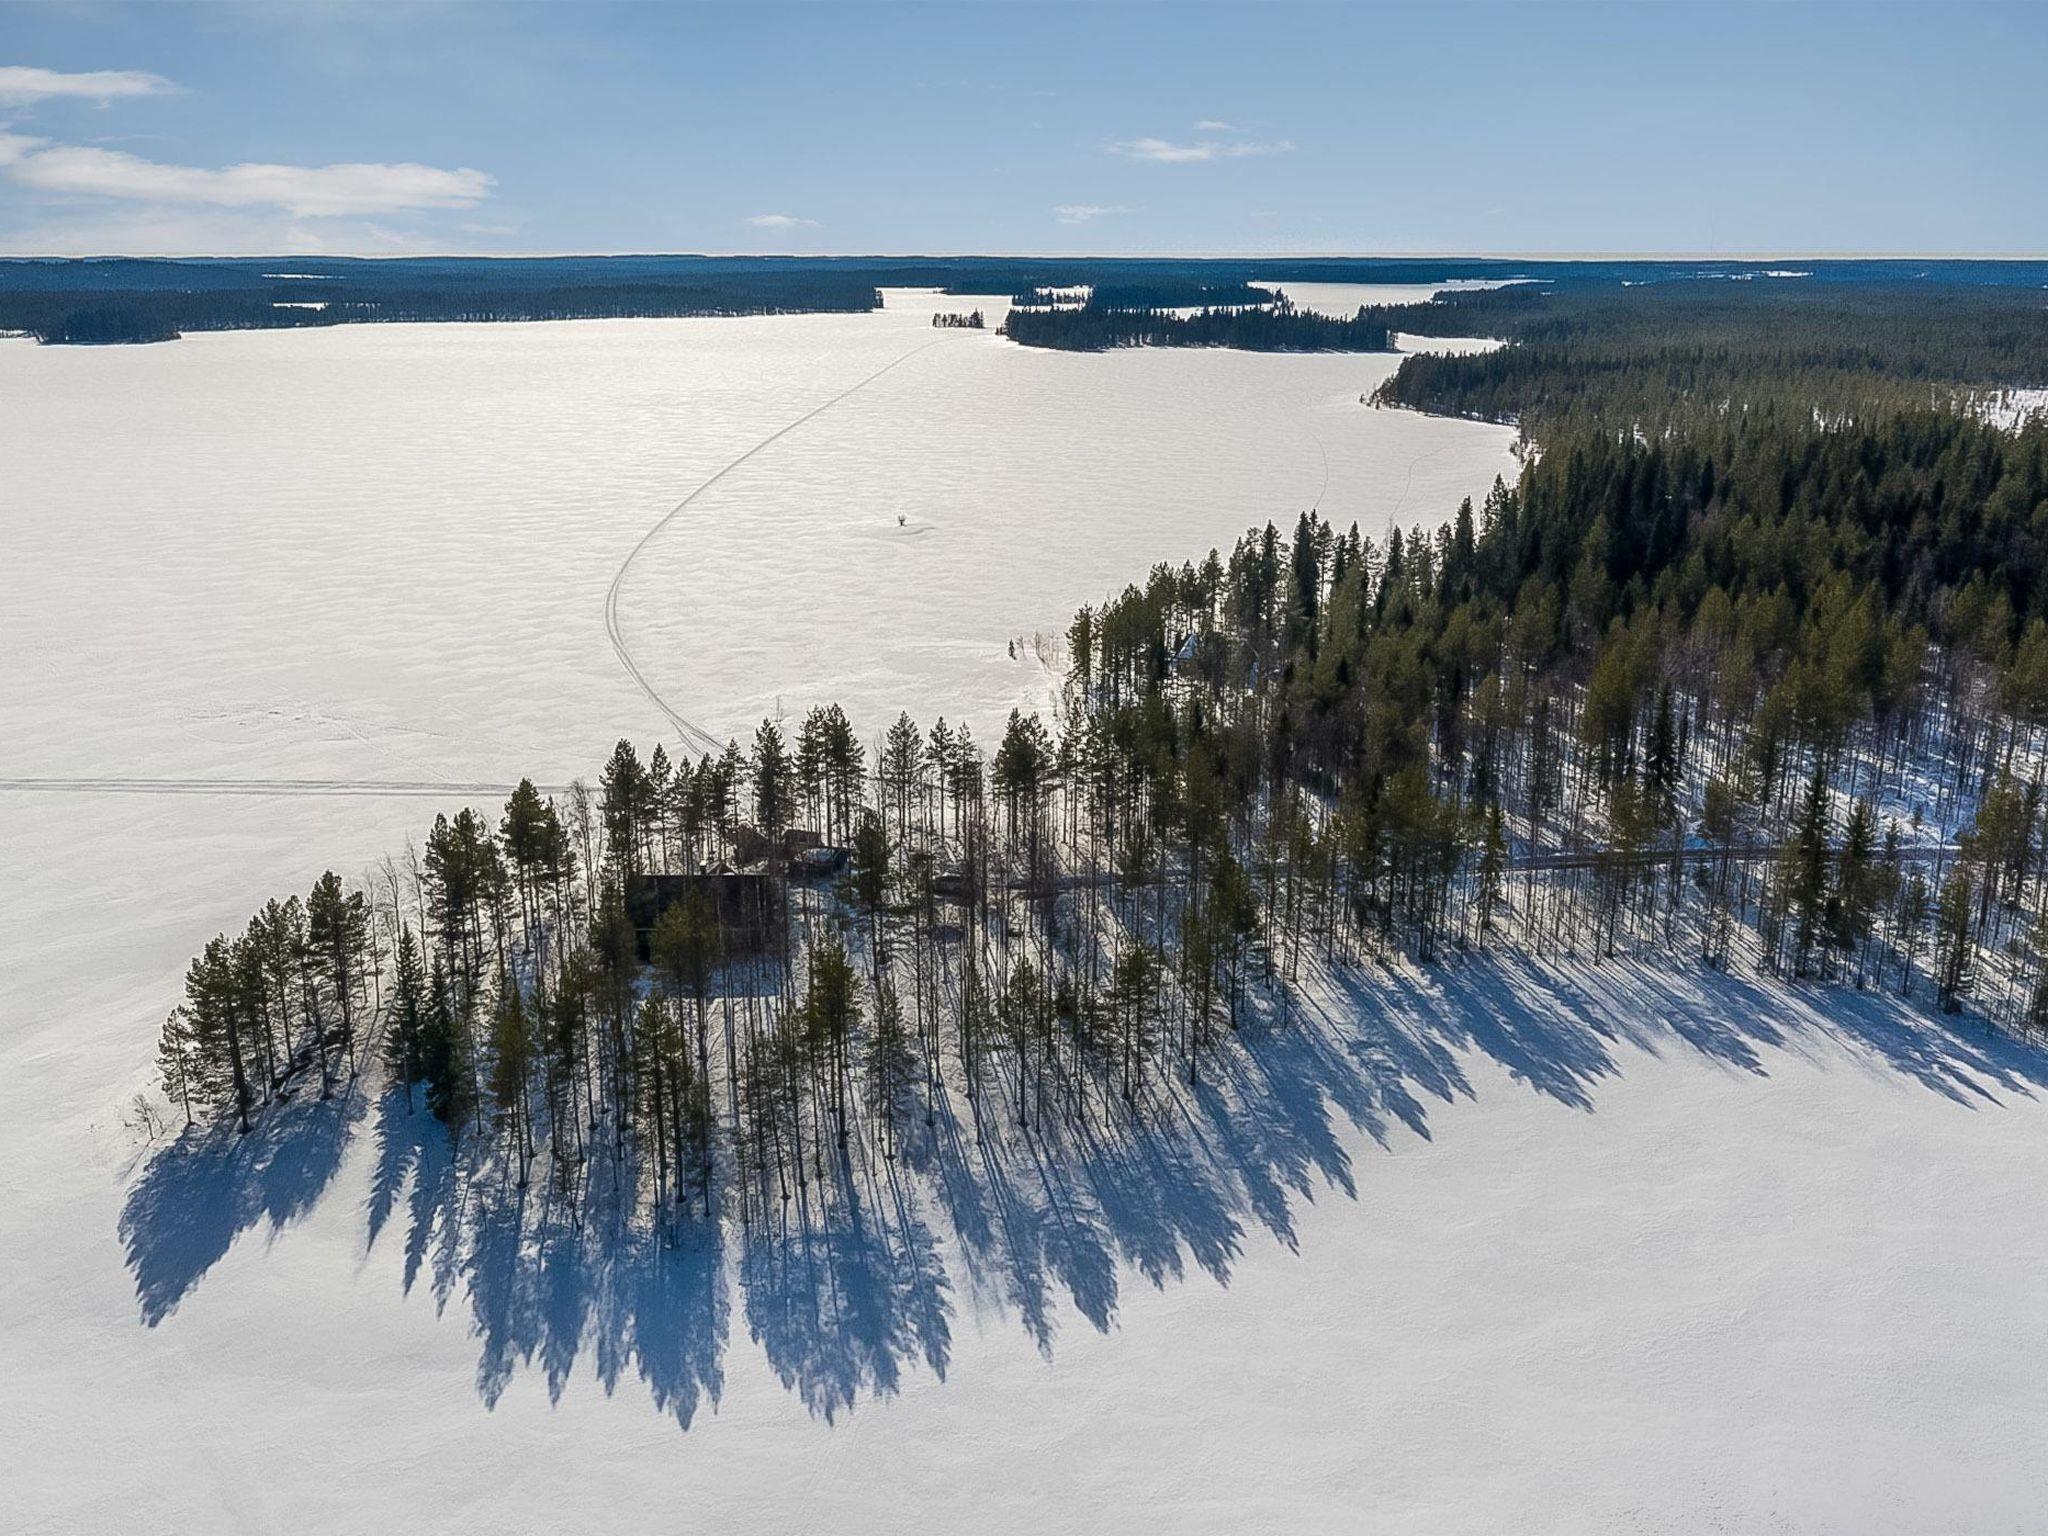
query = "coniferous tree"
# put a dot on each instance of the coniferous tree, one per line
(772, 787)
(444, 1052)
(178, 1063)
(1954, 917)
(511, 1087)
(337, 926)
(405, 1039)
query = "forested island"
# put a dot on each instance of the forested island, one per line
(1748, 670)
(1275, 326)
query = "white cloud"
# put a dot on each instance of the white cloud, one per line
(781, 221)
(319, 191)
(1212, 125)
(1081, 213)
(22, 86)
(137, 229)
(96, 199)
(1165, 151)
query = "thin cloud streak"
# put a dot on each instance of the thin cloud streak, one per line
(1081, 213)
(1167, 152)
(318, 191)
(22, 85)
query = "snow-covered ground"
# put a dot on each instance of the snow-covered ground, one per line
(2013, 408)
(1585, 1250)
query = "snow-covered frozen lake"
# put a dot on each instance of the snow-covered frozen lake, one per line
(384, 551)
(1567, 1252)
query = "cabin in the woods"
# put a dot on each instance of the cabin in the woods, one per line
(750, 847)
(748, 907)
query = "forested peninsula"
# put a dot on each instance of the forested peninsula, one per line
(1747, 670)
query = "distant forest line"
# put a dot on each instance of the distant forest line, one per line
(110, 300)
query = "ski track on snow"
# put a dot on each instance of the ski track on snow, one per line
(695, 737)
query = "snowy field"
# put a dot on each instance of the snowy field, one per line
(1562, 1251)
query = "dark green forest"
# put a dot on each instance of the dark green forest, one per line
(92, 316)
(1651, 352)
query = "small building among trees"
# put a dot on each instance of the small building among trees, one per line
(747, 907)
(798, 850)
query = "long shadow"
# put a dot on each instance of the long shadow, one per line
(856, 1283)
(546, 1283)
(845, 1287)
(210, 1185)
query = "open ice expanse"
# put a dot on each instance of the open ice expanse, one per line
(383, 552)
(1578, 1250)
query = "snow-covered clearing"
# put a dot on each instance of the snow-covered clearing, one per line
(1581, 1250)
(2013, 408)
(1343, 300)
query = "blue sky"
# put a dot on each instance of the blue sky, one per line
(1031, 128)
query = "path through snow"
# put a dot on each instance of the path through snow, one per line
(695, 737)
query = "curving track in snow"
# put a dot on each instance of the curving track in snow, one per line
(695, 738)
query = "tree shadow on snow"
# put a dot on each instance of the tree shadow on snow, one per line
(196, 1196)
(853, 1284)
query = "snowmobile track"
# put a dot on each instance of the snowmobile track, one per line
(695, 738)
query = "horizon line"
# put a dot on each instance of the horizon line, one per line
(858, 255)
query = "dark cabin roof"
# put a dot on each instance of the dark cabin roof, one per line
(748, 906)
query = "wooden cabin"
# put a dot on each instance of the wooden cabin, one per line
(749, 907)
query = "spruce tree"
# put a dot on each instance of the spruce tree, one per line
(405, 1037)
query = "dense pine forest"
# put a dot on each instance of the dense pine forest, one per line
(1660, 351)
(92, 318)
(1748, 670)
(88, 303)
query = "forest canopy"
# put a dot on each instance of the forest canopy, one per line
(1651, 351)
